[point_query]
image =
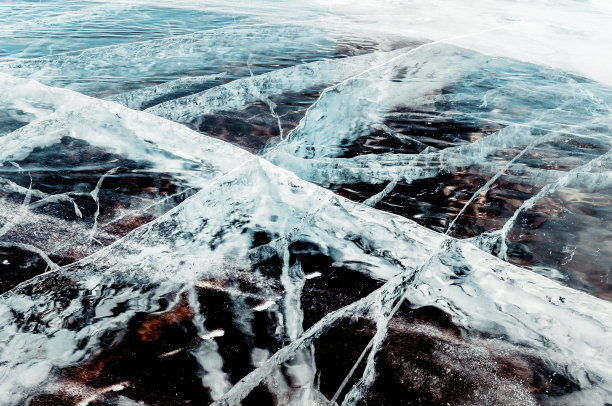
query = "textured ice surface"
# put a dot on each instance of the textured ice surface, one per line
(322, 203)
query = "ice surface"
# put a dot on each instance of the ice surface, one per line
(193, 242)
(415, 207)
(84, 142)
(108, 68)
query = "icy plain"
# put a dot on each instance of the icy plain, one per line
(313, 203)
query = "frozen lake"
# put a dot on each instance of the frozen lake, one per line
(305, 203)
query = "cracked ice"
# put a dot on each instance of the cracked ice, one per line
(315, 203)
